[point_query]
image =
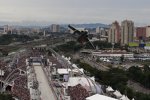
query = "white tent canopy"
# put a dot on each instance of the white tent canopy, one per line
(69, 62)
(78, 70)
(74, 65)
(2, 72)
(63, 71)
(92, 78)
(85, 82)
(63, 56)
(109, 89)
(67, 70)
(99, 97)
(69, 58)
(124, 98)
(117, 94)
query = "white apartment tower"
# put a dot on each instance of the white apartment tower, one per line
(127, 32)
(114, 33)
(148, 31)
(55, 28)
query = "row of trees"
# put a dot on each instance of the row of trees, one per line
(71, 46)
(104, 45)
(140, 75)
(6, 97)
(117, 78)
(74, 46)
(10, 38)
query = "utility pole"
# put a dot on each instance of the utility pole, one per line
(112, 50)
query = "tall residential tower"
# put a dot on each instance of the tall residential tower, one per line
(114, 33)
(127, 32)
(55, 28)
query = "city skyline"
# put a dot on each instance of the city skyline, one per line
(74, 11)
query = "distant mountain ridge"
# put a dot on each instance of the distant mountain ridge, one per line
(31, 24)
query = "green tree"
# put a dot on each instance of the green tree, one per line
(129, 92)
(122, 58)
(6, 97)
(146, 68)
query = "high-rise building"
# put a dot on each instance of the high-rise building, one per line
(141, 33)
(6, 28)
(114, 33)
(102, 31)
(148, 31)
(127, 31)
(1, 31)
(98, 30)
(55, 28)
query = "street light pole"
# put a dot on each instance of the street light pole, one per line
(113, 47)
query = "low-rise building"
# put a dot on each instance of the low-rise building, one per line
(112, 54)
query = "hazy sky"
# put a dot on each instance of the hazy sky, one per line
(75, 11)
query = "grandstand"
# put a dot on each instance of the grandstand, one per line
(33, 75)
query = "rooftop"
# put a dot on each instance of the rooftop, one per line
(99, 97)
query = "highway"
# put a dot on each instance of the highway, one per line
(93, 63)
(44, 87)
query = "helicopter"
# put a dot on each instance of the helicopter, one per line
(82, 36)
